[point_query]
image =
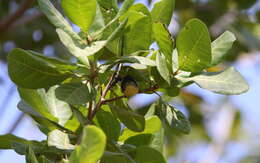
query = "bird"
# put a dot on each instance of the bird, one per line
(129, 86)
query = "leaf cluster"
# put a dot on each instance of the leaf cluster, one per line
(81, 107)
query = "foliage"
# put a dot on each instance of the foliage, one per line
(81, 107)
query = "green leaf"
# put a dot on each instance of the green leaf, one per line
(175, 62)
(41, 149)
(58, 20)
(80, 12)
(139, 140)
(118, 31)
(116, 157)
(163, 11)
(142, 60)
(59, 140)
(43, 159)
(34, 98)
(98, 22)
(138, 31)
(20, 145)
(57, 108)
(163, 38)
(7, 140)
(108, 123)
(45, 124)
(176, 120)
(92, 146)
(60, 65)
(74, 93)
(135, 59)
(76, 50)
(150, 112)
(158, 141)
(82, 119)
(228, 82)
(31, 71)
(146, 154)
(130, 119)
(108, 4)
(162, 67)
(152, 125)
(113, 33)
(221, 46)
(30, 156)
(46, 104)
(125, 6)
(194, 46)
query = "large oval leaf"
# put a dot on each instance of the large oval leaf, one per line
(80, 12)
(146, 154)
(163, 11)
(162, 68)
(139, 29)
(176, 120)
(164, 40)
(220, 47)
(194, 46)
(58, 20)
(46, 104)
(92, 146)
(130, 119)
(152, 125)
(228, 82)
(31, 71)
(74, 93)
(108, 122)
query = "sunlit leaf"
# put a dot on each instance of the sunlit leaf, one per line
(163, 38)
(152, 125)
(92, 146)
(194, 46)
(228, 82)
(176, 120)
(162, 67)
(221, 46)
(28, 70)
(47, 104)
(163, 11)
(80, 12)
(59, 140)
(57, 19)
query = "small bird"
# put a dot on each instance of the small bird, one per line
(129, 86)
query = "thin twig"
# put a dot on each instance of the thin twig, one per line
(110, 84)
(114, 99)
(90, 110)
(104, 93)
(151, 89)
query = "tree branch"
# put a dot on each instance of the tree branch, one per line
(6, 23)
(113, 99)
(107, 88)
